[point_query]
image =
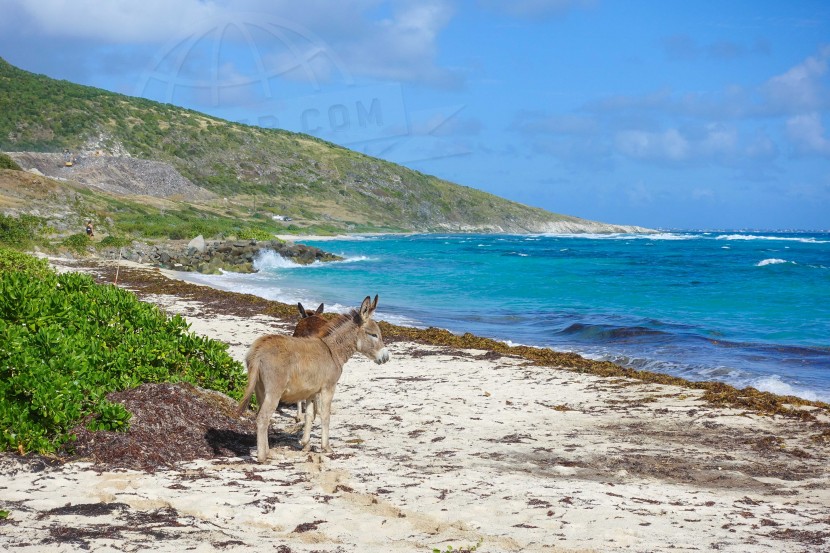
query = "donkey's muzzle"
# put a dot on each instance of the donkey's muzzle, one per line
(382, 356)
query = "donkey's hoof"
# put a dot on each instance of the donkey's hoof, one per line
(328, 449)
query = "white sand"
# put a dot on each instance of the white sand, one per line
(446, 447)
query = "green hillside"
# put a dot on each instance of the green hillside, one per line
(277, 172)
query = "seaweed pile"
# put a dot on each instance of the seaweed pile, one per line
(171, 423)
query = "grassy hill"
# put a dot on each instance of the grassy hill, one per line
(262, 172)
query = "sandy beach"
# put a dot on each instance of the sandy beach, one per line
(444, 446)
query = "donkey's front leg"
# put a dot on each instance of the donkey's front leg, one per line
(325, 396)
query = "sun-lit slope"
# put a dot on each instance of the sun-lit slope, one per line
(275, 171)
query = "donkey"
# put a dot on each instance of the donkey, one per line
(310, 324)
(295, 369)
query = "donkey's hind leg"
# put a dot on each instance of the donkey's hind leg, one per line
(263, 422)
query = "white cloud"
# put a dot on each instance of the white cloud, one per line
(808, 135)
(712, 142)
(118, 21)
(667, 145)
(801, 88)
(719, 140)
(374, 38)
(402, 47)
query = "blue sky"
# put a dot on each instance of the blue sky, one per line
(665, 114)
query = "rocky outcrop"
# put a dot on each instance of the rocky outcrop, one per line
(217, 256)
(114, 174)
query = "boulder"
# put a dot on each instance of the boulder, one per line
(197, 244)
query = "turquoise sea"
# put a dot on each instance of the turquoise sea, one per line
(747, 308)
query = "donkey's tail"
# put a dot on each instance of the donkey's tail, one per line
(252, 361)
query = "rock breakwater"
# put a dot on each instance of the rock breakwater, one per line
(212, 257)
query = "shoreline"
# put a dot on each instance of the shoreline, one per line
(449, 444)
(687, 317)
(719, 393)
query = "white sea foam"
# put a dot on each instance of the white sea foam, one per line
(269, 259)
(772, 261)
(802, 239)
(775, 385)
(625, 236)
(354, 259)
(400, 320)
(666, 236)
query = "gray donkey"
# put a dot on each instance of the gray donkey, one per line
(295, 369)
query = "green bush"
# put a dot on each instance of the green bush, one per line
(65, 343)
(8, 163)
(254, 234)
(13, 260)
(113, 242)
(78, 243)
(20, 232)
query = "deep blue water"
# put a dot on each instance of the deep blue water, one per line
(742, 307)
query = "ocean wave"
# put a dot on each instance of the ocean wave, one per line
(802, 239)
(607, 333)
(772, 261)
(696, 372)
(354, 259)
(625, 236)
(665, 236)
(269, 259)
(775, 385)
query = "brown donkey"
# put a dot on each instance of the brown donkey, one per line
(311, 323)
(294, 369)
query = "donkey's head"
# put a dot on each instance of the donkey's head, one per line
(306, 314)
(370, 341)
(311, 323)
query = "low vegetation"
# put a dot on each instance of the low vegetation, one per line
(22, 232)
(8, 163)
(66, 342)
(272, 172)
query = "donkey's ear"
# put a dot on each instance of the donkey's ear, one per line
(375, 304)
(302, 310)
(319, 309)
(366, 308)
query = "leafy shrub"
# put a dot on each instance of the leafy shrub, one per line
(65, 343)
(78, 243)
(13, 260)
(8, 163)
(20, 232)
(113, 242)
(254, 234)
